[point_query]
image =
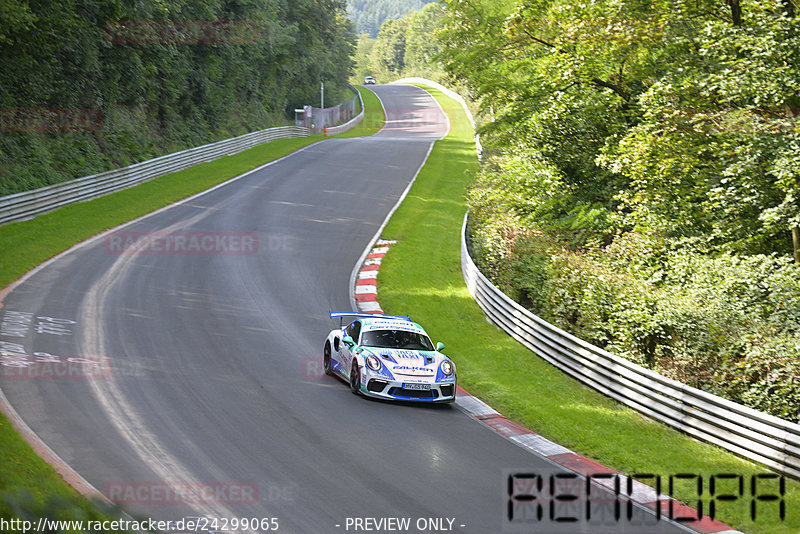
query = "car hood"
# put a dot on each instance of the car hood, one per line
(401, 362)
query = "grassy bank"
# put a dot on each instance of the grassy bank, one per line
(421, 277)
(373, 115)
(23, 245)
(29, 487)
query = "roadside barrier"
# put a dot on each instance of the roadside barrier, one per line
(749, 433)
(333, 130)
(28, 204)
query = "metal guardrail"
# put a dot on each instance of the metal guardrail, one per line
(28, 204)
(333, 130)
(317, 120)
(757, 436)
(455, 96)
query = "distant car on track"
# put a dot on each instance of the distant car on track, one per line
(369, 80)
(389, 357)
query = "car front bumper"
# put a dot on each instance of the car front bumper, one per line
(382, 388)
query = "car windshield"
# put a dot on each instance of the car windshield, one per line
(396, 339)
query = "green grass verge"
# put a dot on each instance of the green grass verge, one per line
(421, 277)
(23, 245)
(29, 487)
(373, 116)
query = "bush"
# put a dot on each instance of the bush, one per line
(726, 324)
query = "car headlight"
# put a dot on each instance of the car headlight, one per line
(373, 362)
(448, 368)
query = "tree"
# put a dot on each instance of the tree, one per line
(391, 46)
(674, 118)
(163, 75)
(369, 15)
(422, 46)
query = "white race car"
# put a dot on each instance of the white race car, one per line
(389, 357)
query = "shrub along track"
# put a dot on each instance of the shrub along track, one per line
(421, 277)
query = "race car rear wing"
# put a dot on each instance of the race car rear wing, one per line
(341, 315)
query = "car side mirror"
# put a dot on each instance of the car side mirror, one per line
(347, 340)
(440, 346)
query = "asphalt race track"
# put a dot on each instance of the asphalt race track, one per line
(210, 358)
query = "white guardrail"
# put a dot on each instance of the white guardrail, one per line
(757, 436)
(452, 94)
(27, 204)
(333, 130)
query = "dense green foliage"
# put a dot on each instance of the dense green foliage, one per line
(369, 15)
(726, 324)
(404, 47)
(641, 176)
(421, 276)
(156, 77)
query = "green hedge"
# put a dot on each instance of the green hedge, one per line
(722, 323)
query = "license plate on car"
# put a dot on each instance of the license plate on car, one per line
(417, 386)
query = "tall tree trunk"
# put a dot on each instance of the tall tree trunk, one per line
(796, 243)
(736, 12)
